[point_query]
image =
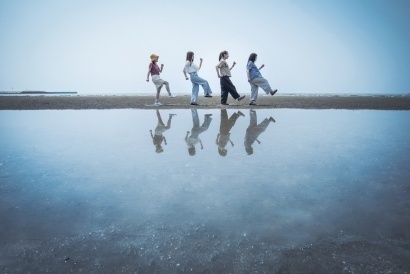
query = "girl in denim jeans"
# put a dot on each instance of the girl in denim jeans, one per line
(192, 70)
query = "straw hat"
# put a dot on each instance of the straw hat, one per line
(153, 56)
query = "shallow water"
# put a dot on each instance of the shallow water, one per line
(287, 178)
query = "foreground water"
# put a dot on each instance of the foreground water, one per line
(205, 191)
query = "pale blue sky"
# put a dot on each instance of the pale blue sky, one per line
(320, 46)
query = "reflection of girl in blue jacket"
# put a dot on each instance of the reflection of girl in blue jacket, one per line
(254, 130)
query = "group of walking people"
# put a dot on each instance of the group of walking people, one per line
(223, 71)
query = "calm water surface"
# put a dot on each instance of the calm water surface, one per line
(290, 177)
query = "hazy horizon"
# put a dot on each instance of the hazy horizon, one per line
(103, 47)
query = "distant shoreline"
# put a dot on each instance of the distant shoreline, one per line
(182, 102)
(35, 92)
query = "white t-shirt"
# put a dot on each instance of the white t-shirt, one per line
(191, 67)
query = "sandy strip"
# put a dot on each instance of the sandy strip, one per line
(182, 102)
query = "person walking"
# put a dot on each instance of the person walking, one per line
(158, 136)
(254, 130)
(224, 135)
(193, 139)
(192, 69)
(155, 71)
(256, 80)
(224, 73)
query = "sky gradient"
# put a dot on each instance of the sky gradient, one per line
(350, 46)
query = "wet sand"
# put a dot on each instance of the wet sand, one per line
(182, 102)
(188, 248)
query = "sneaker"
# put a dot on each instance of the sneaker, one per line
(240, 113)
(252, 103)
(194, 104)
(272, 120)
(208, 95)
(241, 97)
(158, 103)
(170, 95)
(225, 104)
(272, 92)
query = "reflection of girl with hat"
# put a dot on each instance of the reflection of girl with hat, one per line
(192, 70)
(154, 70)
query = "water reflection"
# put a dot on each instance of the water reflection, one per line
(193, 139)
(158, 137)
(224, 134)
(254, 130)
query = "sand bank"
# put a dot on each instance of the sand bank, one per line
(182, 102)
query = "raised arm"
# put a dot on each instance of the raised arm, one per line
(200, 63)
(234, 63)
(162, 67)
(263, 65)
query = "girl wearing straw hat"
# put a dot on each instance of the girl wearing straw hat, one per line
(154, 70)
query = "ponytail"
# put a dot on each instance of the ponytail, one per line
(221, 55)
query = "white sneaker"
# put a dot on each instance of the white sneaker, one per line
(158, 103)
(171, 95)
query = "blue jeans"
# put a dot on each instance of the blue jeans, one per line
(196, 81)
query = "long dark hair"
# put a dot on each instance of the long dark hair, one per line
(189, 56)
(221, 55)
(252, 57)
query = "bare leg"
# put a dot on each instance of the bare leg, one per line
(160, 122)
(167, 87)
(158, 91)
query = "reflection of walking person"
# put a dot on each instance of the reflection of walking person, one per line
(192, 70)
(256, 80)
(157, 138)
(224, 73)
(254, 130)
(155, 71)
(226, 125)
(193, 139)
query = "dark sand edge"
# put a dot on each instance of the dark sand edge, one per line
(182, 102)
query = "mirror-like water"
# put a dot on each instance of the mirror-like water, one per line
(283, 178)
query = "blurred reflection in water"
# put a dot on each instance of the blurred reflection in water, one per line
(254, 130)
(193, 139)
(315, 174)
(224, 134)
(158, 137)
